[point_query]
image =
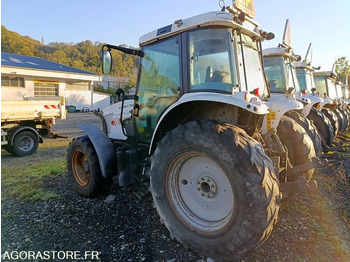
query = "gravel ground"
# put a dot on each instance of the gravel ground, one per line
(122, 227)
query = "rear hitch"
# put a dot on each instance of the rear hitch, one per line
(339, 148)
(55, 136)
(315, 162)
(299, 185)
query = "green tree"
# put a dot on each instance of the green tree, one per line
(84, 55)
(59, 56)
(342, 69)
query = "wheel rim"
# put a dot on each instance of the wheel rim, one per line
(200, 193)
(26, 143)
(80, 168)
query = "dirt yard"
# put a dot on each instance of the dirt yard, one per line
(122, 227)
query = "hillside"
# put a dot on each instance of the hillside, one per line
(84, 55)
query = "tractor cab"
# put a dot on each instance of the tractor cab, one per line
(305, 70)
(279, 65)
(326, 84)
(198, 67)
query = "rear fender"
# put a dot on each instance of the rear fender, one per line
(14, 131)
(326, 101)
(279, 104)
(253, 105)
(314, 100)
(104, 149)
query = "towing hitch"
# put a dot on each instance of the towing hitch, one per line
(55, 136)
(300, 183)
(315, 162)
(339, 146)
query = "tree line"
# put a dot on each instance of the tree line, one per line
(84, 55)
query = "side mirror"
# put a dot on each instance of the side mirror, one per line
(313, 90)
(270, 36)
(106, 59)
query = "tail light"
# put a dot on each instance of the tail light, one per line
(257, 92)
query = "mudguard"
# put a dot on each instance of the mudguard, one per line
(279, 104)
(104, 149)
(314, 100)
(254, 105)
(326, 100)
(14, 131)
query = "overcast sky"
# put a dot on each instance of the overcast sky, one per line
(325, 23)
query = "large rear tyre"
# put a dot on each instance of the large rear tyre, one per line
(25, 143)
(341, 120)
(299, 144)
(333, 119)
(215, 189)
(84, 169)
(323, 125)
(310, 129)
(346, 117)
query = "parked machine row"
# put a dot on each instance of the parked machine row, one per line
(219, 130)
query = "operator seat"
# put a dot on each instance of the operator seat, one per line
(208, 74)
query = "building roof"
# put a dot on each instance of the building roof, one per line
(30, 62)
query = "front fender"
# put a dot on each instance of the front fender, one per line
(104, 149)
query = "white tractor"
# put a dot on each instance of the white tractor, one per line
(193, 133)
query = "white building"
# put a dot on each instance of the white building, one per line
(113, 81)
(26, 76)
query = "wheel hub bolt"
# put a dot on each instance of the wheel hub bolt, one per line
(206, 187)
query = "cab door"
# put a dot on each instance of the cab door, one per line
(158, 84)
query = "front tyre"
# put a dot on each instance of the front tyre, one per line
(215, 189)
(83, 168)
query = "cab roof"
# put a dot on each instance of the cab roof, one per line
(214, 18)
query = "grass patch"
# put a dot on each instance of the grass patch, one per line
(55, 143)
(27, 183)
